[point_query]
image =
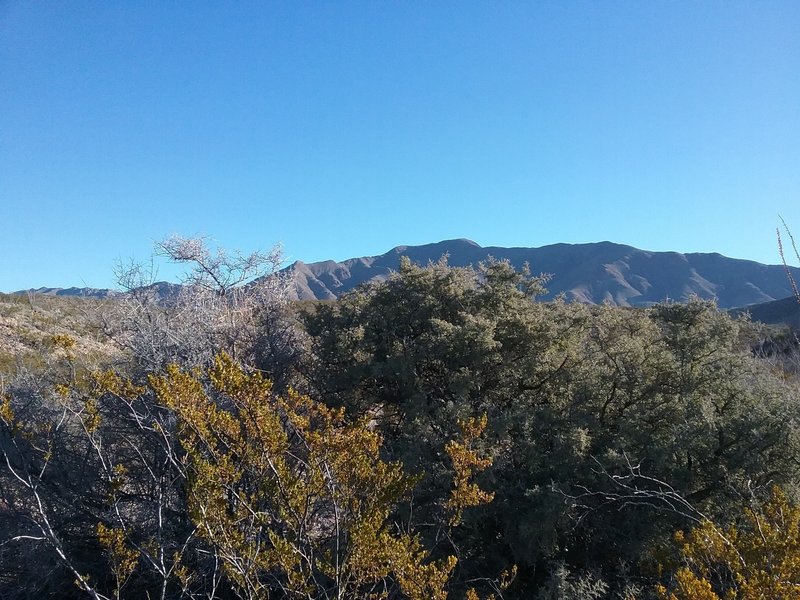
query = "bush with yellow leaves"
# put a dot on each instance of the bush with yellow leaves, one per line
(292, 497)
(758, 560)
(209, 484)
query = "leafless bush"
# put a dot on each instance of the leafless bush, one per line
(225, 301)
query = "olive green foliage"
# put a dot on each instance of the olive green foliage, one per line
(575, 397)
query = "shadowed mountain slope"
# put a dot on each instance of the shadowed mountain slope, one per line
(590, 273)
(776, 312)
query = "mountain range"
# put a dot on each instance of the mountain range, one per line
(592, 273)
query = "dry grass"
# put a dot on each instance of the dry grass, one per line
(28, 324)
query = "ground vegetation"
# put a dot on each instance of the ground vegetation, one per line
(442, 433)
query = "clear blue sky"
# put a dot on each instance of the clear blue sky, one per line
(346, 128)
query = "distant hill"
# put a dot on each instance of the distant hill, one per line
(590, 273)
(86, 292)
(162, 289)
(777, 312)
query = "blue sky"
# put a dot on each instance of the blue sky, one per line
(346, 128)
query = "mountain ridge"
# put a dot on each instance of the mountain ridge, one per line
(591, 273)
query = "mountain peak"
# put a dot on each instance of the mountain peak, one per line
(462, 242)
(444, 245)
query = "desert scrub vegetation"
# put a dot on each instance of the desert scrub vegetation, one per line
(443, 433)
(29, 323)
